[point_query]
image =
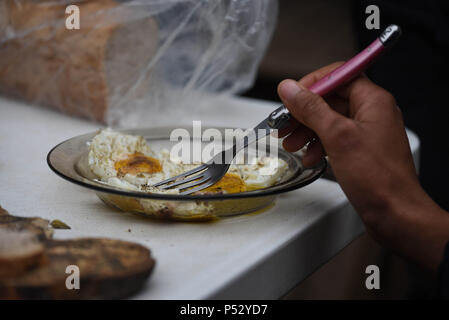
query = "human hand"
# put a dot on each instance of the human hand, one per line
(361, 130)
(363, 135)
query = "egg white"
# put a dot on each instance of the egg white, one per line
(109, 146)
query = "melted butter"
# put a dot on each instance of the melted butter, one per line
(137, 163)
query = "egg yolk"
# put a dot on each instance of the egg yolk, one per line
(230, 183)
(137, 163)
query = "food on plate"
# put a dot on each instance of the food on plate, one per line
(128, 162)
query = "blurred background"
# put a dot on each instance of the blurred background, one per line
(312, 34)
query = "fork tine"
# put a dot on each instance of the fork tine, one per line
(182, 181)
(185, 174)
(194, 183)
(199, 188)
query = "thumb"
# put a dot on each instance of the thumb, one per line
(309, 108)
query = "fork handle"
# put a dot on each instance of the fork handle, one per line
(354, 67)
(278, 119)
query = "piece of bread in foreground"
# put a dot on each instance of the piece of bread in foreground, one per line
(108, 269)
(3, 212)
(20, 251)
(37, 226)
(21, 243)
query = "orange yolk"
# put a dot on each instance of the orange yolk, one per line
(230, 183)
(137, 163)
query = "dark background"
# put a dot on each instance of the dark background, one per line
(312, 34)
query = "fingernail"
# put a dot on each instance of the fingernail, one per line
(288, 90)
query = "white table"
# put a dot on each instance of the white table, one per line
(256, 257)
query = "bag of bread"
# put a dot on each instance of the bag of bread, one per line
(128, 59)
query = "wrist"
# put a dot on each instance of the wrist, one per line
(388, 207)
(412, 225)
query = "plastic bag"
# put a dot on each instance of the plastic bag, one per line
(130, 59)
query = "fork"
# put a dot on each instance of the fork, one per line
(212, 171)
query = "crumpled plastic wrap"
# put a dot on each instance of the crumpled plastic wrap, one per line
(131, 60)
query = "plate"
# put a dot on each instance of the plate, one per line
(69, 160)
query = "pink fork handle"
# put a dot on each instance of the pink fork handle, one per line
(280, 117)
(348, 71)
(354, 67)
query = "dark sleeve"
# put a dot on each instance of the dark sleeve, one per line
(443, 276)
(415, 72)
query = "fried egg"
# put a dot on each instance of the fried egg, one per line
(128, 162)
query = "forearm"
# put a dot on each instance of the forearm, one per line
(413, 226)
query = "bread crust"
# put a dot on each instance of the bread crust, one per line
(23, 256)
(19, 265)
(47, 64)
(109, 269)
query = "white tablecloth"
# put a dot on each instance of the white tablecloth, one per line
(258, 256)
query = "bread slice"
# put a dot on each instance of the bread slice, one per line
(3, 212)
(37, 226)
(83, 72)
(20, 251)
(108, 269)
(33, 265)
